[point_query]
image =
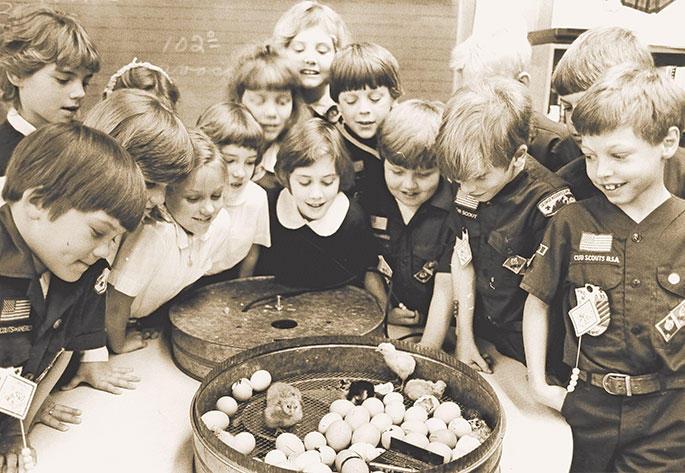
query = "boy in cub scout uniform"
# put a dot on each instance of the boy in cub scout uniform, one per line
(56, 228)
(503, 204)
(617, 261)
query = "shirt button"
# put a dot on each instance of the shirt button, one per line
(637, 238)
(674, 278)
(636, 282)
(636, 330)
(57, 324)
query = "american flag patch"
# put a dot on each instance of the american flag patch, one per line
(465, 200)
(596, 243)
(14, 309)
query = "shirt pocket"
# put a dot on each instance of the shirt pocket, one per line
(606, 276)
(671, 280)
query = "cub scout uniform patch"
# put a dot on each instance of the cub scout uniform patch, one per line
(466, 205)
(384, 268)
(358, 166)
(598, 243)
(101, 282)
(672, 323)
(14, 310)
(426, 272)
(553, 203)
(515, 263)
(379, 223)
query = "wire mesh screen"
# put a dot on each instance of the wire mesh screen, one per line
(648, 6)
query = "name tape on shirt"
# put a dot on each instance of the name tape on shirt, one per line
(553, 203)
(598, 243)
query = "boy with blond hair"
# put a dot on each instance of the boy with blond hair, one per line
(616, 262)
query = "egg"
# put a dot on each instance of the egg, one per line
(441, 449)
(434, 424)
(382, 421)
(428, 402)
(289, 444)
(327, 454)
(327, 420)
(445, 436)
(460, 426)
(307, 458)
(341, 406)
(447, 411)
(343, 456)
(416, 413)
(338, 435)
(393, 397)
(244, 442)
(414, 426)
(464, 445)
(357, 417)
(393, 431)
(216, 420)
(367, 433)
(365, 450)
(373, 405)
(314, 440)
(317, 468)
(226, 437)
(288, 465)
(275, 457)
(242, 389)
(396, 411)
(355, 465)
(415, 438)
(260, 380)
(227, 404)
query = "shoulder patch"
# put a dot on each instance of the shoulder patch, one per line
(101, 282)
(553, 203)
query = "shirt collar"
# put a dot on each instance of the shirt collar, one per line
(291, 218)
(269, 157)
(368, 145)
(19, 123)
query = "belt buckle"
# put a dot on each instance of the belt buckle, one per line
(625, 378)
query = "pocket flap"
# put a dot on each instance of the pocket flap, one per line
(672, 279)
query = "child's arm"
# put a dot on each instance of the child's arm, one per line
(439, 312)
(374, 283)
(535, 328)
(464, 287)
(248, 264)
(116, 318)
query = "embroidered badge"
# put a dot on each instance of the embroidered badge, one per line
(515, 263)
(16, 393)
(379, 223)
(101, 282)
(14, 310)
(15, 329)
(542, 249)
(426, 272)
(552, 204)
(358, 166)
(600, 301)
(595, 242)
(672, 323)
(462, 249)
(465, 200)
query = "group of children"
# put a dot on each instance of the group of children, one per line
(460, 218)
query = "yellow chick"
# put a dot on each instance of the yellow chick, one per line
(283, 406)
(402, 364)
(415, 388)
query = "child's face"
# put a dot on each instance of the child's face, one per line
(411, 187)
(51, 94)
(627, 169)
(240, 162)
(310, 54)
(568, 104)
(76, 241)
(195, 202)
(487, 185)
(364, 110)
(156, 193)
(314, 188)
(271, 108)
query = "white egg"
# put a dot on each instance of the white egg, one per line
(260, 380)
(227, 404)
(289, 444)
(327, 420)
(275, 457)
(396, 411)
(244, 442)
(434, 424)
(393, 397)
(382, 421)
(416, 413)
(373, 405)
(341, 406)
(216, 420)
(242, 389)
(313, 440)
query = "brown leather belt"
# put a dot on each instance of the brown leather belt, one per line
(620, 384)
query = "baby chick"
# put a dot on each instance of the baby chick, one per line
(415, 388)
(283, 406)
(402, 364)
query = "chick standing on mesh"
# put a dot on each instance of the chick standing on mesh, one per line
(283, 406)
(402, 364)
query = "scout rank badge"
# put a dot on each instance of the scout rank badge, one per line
(425, 274)
(462, 249)
(672, 323)
(515, 263)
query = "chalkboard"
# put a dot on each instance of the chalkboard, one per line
(195, 39)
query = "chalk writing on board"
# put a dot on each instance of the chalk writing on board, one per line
(178, 70)
(196, 43)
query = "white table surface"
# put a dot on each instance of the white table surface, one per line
(148, 429)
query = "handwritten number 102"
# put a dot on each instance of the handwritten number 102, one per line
(195, 43)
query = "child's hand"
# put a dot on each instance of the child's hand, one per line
(468, 353)
(404, 316)
(13, 458)
(550, 396)
(102, 376)
(55, 415)
(135, 340)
